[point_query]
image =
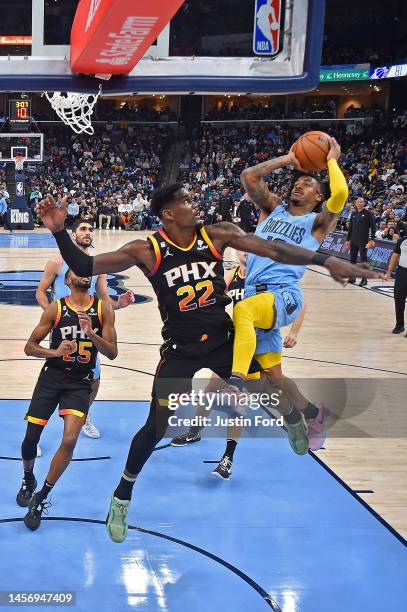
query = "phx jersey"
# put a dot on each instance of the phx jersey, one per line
(66, 327)
(235, 286)
(191, 293)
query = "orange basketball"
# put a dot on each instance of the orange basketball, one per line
(311, 150)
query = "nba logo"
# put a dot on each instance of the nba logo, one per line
(267, 27)
(19, 189)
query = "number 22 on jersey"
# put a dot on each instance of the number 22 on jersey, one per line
(192, 300)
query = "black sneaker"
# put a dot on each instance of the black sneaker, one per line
(363, 283)
(224, 469)
(398, 329)
(26, 492)
(32, 519)
(351, 281)
(185, 438)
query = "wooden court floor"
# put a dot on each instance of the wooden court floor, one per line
(345, 350)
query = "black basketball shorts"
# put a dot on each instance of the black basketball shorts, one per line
(70, 391)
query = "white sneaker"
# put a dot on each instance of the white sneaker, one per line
(90, 430)
(39, 451)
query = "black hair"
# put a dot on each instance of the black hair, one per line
(77, 223)
(67, 272)
(163, 197)
(323, 187)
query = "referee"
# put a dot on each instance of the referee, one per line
(400, 286)
(362, 222)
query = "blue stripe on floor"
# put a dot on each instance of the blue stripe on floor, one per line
(282, 526)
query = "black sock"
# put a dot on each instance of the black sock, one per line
(230, 449)
(44, 492)
(293, 417)
(29, 476)
(125, 487)
(310, 411)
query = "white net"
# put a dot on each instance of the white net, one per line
(75, 109)
(19, 162)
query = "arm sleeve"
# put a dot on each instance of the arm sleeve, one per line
(77, 260)
(338, 187)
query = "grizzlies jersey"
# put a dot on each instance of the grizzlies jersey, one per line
(66, 327)
(235, 286)
(190, 289)
(293, 229)
(60, 290)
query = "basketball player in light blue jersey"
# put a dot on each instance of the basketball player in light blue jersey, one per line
(54, 279)
(273, 295)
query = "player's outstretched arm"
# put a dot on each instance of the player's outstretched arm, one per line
(226, 234)
(137, 253)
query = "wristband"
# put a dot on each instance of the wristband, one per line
(319, 259)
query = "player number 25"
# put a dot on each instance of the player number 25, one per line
(83, 354)
(189, 301)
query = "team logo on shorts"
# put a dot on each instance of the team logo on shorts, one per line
(19, 287)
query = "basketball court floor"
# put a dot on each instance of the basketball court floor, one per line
(319, 533)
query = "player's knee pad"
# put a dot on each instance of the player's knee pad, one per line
(30, 442)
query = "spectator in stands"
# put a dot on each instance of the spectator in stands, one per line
(105, 213)
(382, 228)
(3, 212)
(73, 211)
(35, 197)
(245, 212)
(390, 233)
(225, 205)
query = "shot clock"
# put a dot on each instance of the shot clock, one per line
(19, 114)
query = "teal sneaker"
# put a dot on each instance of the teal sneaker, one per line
(297, 437)
(116, 521)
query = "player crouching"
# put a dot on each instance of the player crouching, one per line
(82, 325)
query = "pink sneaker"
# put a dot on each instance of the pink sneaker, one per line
(317, 428)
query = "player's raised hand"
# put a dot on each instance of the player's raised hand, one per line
(294, 161)
(341, 270)
(67, 347)
(334, 151)
(86, 323)
(125, 299)
(53, 215)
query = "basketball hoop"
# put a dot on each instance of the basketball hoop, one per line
(19, 161)
(75, 109)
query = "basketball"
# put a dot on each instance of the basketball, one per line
(311, 150)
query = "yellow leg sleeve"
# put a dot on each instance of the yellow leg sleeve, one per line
(252, 312)
(269, 360)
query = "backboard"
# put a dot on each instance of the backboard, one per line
(200, 51)
(29, 145)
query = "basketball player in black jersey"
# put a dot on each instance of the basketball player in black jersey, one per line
(81, 325)
(183, 262)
